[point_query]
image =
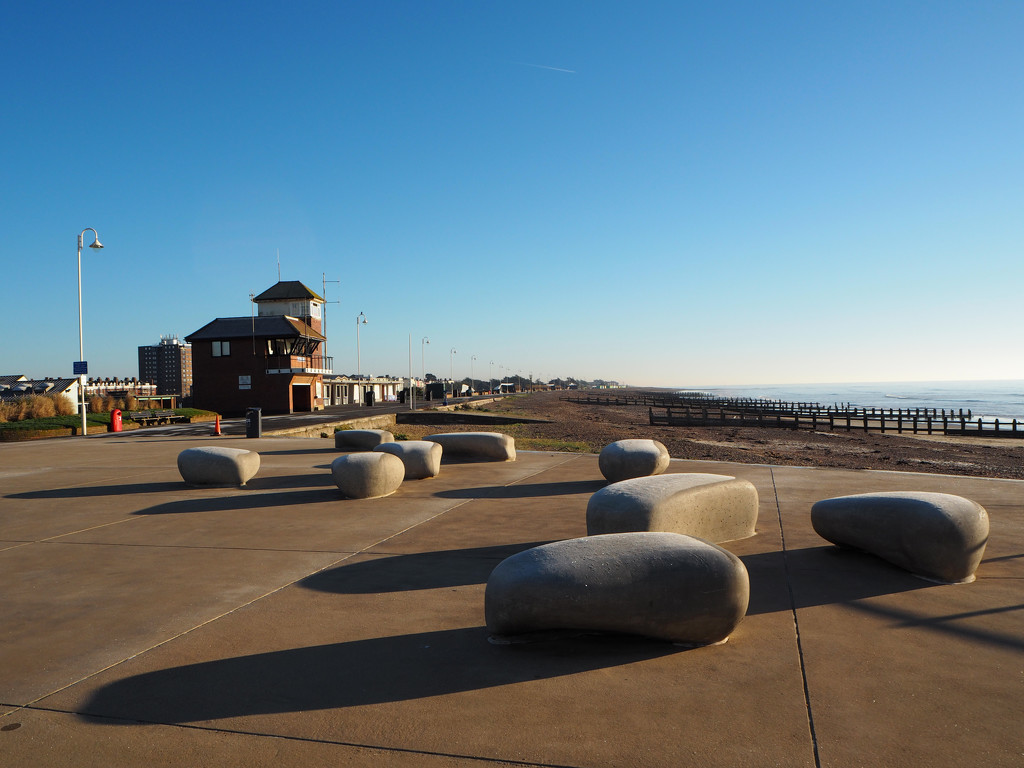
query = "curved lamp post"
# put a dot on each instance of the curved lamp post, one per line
(359, 371)
(81, 345)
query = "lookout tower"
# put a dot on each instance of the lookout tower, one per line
(292, 299)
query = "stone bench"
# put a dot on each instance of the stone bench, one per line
(368, 475)
(662, 585)
(483, 446)
(625, 459)
(217, 465)
(422, 458)
(361, 439)
(934, 535)
(713, 507)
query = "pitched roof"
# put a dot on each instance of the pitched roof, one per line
(35, 387)
(287, 289)
(267, 327)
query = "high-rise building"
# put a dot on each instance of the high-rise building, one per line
(168, 365)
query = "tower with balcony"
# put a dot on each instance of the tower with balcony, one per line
(272, 359)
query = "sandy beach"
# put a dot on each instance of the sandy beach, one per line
(568, 426)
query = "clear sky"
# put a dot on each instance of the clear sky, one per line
(662, 193)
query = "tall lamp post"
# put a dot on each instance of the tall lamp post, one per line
(472, 380)
(490, 377)
(451, 372)
(359, 368)
(81, 344)
(423, 366)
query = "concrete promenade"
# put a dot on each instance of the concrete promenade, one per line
(146, 623)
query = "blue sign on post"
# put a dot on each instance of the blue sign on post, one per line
(81, 368)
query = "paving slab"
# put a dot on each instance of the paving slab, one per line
(147, 623)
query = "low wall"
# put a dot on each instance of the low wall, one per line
(327, 429)
(448, 416)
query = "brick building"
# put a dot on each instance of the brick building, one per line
(272, 360)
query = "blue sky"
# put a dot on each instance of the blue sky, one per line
(661, 193)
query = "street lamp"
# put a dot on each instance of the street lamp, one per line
(81, 345)
(472, 380)
(490, 376)
(359, 371)
(423, 366)
(451, 372)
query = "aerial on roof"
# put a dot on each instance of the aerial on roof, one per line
(287, 289)
(267, 327)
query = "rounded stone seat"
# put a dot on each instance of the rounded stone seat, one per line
(218, 465)
(713, 507)
(662, 585)
(938, 536)
(368, 475)
(625, 459)
(422, 458)
(361, 439)
(482, 446)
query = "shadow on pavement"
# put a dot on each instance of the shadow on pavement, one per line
(95, 491)
(423, 570)
(822, 576)
(243, 501)
(524, 491)
(357, 673)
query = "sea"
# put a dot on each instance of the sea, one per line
(1001, 400)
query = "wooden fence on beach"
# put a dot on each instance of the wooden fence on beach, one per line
(704, 410)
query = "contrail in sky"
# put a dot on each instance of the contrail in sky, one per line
(544, 66)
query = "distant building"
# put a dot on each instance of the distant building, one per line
(168, 365)
(272, 360)
(144, 392)
(17, 385)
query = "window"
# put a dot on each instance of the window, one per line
(221, 348)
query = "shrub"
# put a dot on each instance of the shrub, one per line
(95, 404)
(40, 407)
(63, 405)
(131, 403)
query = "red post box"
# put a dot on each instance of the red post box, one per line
(115, 420)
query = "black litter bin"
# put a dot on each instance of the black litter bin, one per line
(254, 422)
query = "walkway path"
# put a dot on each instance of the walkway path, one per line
(148, 623)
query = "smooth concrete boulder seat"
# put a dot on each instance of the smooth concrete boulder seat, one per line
(625, 459)
(422, 458)
(216, 465)
(662, 585)
(361, 439)
(484, 446)
(935, 535)
(368, 475)
(713, 507)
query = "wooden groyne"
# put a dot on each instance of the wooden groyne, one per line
(704, 410)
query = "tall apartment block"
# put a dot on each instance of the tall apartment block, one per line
(168, 365)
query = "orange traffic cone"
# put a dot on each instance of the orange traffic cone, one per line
(216, 425)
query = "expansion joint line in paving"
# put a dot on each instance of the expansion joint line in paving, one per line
(796, 624)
